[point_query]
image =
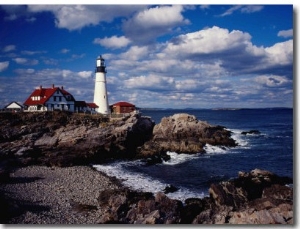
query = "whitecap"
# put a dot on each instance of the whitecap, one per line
(176, 158)
(239, 138)
(210, 149)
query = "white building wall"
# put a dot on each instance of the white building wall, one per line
(100, 93)
(14, 106)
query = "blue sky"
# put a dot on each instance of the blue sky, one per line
(165, 56)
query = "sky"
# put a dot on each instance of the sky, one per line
(157, 56)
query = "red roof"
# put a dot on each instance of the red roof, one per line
(44, 94)
(92, 105)
(123, 104)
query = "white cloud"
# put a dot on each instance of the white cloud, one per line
(151, 23)
(25, 61)
(64, 51)
(150, 82)
(285, 33)
(242, 9)
(135, 53)
(159, 16)
(251, 9)
(9, 48)
(24, 71)
(113, 42)
(271, 80)
(66, 73)
(4, 65)
(30, 53)
(208, 41)
(280, 53)
(187, 84)
(75, 17)
(85, 74)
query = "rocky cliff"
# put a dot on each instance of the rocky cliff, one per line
(66, 139)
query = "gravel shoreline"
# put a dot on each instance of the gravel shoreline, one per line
(53, 195)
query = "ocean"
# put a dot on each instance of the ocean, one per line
(271, 149)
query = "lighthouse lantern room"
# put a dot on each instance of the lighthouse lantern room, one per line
(100, 93)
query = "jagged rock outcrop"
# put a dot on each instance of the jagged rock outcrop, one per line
(183, 133)
(64, 139)
(131, 207)
(257, 197)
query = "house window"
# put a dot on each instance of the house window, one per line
(57, 92)
(59, 98)
(54, 98)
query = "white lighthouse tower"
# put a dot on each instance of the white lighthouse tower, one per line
(100, 93)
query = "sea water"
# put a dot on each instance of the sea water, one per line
(271, 149)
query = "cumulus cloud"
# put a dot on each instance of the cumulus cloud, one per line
(75, 17)
(113, 42)
(4, 65)
(135, 53)
(232, 50)
(208, 41)
(151, 23)
(150, 82)
(285, 33)
(280, 53)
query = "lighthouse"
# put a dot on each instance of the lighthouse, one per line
(100, 93)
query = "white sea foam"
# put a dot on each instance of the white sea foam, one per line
(140, 182)
(179, 158)
(210, 149)
(239, 138)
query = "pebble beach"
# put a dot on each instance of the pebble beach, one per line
(53, 195)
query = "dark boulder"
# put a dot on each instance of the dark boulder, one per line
(170, 188)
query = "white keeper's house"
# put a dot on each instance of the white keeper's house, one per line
(55, 98)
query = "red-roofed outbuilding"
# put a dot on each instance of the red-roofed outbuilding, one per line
(122, 107)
